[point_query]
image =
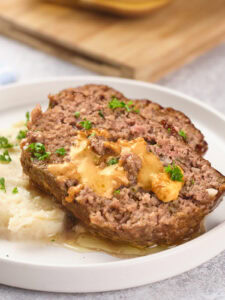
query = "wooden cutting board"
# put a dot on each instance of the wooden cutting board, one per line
(144, 48)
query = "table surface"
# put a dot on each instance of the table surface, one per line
(204, 79)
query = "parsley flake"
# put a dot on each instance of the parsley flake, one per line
(169, 130)
(38, 151)
(15, 190)
(2, 184)
(27, 117)
(174, 172)
(112, 161)
(183, 134)
(100, 113)
(86, 124)
(22, 134)
(4, 143)
(5, 157)
(116, 192)
(127, 106)
(76, 114)
(136, 110)
(92, 135)
(61, 151)
(116, 103)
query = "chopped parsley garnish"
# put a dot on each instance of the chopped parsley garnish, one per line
(192, 182)
(112, 161)
(100, 113)
(183, 134)
(15, 190)
(169, 130)
(4, 143)
(76, 114)
(2, 184)
(61, 151)
(5, 157)
(127, 106)
(134, 189)
(174, 172)
(86, 124)
(116, 192)
(136, 110)
(22, 134)
(91, 135)
(116, 103)
(38, 151)
(27, 117)
(52, 240)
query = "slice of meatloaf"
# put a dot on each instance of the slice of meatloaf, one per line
(78, 141)
(171, 119)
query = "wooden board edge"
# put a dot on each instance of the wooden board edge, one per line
(74, 56)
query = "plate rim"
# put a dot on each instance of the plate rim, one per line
(153, 86)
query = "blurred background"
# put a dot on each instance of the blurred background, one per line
(140, 39)
(176, 43)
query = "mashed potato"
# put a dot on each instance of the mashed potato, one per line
(27, 214)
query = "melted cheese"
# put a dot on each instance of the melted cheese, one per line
(104, 181)
(83, 168)
(152, 176)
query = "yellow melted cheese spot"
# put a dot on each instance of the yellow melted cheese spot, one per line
(152, 176)
(104, 181)
(83, 168)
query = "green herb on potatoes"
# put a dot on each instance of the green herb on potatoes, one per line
(2, 184)
(15, 190)
(27, 117)
(5, 157)
(4, 143)
(22, 134)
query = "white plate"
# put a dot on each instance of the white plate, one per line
(50, 268)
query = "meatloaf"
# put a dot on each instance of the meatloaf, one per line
(173, 120)
(125, 176)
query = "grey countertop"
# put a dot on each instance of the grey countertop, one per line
(204, 79)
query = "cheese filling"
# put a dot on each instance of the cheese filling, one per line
(85, 168)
